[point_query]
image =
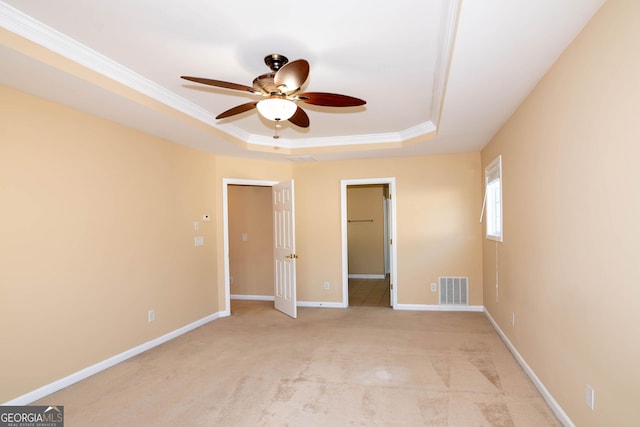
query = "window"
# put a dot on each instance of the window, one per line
(493, 199)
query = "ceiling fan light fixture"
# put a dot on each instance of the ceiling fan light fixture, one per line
(280, 91)
(276, 108)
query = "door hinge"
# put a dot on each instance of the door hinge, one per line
(391, 241)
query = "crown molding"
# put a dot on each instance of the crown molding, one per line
(343, 141)
(27, 27)
(443, 58)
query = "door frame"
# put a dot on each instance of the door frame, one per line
(225, 228)
(387, 233)
(391, 182)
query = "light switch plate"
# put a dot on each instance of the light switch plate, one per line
(591, 397)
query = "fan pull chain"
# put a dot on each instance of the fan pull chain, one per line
(277, 126)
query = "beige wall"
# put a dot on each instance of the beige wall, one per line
(251, 260)
(438, 204)
(365, 231)
(569, 266)
(96, 228)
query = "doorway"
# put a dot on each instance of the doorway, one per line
(282, 250)
(251, 268)
(368, 246)
(226, 183)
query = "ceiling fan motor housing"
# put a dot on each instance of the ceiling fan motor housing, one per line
(275, 61)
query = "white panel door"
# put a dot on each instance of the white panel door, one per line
(284, 251)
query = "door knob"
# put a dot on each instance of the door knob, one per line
(292, 256)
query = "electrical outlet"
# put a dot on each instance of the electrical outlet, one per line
(434, 287)
(151, 316)
(327, 286)
(590, 398)
(513, 319)
(231, 280)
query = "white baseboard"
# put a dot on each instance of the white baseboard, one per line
(57, 385)
(553, 404)
(316, 304)
(253, 297)
(366, 276)
(320, 304)
(413, 307)
(438, 307)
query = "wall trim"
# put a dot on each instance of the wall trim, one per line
(254, 297)
(439, 307)
(366, 276)
(320, 304)
(82, 374)
(548, 397)
(27, 27)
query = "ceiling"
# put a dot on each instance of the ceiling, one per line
(438, 76)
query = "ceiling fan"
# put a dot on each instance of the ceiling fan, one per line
(280, 92)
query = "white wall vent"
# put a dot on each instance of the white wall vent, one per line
(454, 290)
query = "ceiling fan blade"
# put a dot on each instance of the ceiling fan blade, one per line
(292, 75)
(220, 83)
(330, 99)
(300, 118)
(237, 110)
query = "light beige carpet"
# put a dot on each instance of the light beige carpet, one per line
(330, 367)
